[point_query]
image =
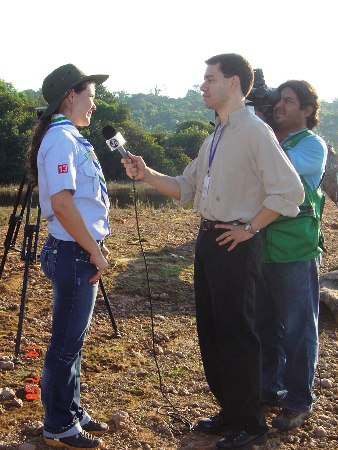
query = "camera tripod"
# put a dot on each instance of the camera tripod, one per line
(28, 252)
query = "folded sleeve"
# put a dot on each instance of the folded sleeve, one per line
(60, 155)
(281, 182)
(187, 182)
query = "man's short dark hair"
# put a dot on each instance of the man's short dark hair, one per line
(307, 96)
(232, 64)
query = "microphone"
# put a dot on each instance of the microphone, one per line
(114, 140)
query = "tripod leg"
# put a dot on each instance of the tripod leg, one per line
(22, 308)
(15, 222)
(103, 290)
(3, 261)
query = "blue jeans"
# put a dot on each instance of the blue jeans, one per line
(287, 324)
(68, 267)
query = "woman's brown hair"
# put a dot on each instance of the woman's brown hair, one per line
(40, 131)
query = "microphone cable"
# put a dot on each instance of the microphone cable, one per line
(180, 424)
(115, 141)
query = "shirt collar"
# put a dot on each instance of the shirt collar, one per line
(292, 134)
(234, 117)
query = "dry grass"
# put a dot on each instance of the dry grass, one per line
(120, 374)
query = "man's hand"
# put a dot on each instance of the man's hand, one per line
(135, 167)
(235, 235)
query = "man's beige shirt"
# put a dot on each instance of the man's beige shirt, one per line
(249, 170)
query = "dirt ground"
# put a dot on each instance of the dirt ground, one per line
(120, 382)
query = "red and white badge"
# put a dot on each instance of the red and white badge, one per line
(63, 168)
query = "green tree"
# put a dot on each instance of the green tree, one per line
(167, 132)
(189, 136)
(328, 127)
(16, 125)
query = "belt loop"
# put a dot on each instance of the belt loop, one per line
(204, 224)
(54, 241)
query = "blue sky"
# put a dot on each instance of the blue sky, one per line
(163, 44)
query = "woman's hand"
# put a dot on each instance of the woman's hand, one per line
(105, 251)
(101, 263)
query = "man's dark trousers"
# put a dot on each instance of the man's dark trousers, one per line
(225, 284)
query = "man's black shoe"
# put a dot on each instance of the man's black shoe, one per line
(214, 424)
(271, 403)
(241, 440)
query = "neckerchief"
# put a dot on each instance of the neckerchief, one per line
(58, 120)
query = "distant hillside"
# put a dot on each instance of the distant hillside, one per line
(155, 112)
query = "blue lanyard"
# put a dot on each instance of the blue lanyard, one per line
(213, 149)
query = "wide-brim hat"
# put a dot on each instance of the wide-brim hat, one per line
(60, 81)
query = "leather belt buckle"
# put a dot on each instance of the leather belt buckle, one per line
(207, 225)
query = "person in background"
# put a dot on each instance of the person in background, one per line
(239, 182)
(74, 201)
(288, 294)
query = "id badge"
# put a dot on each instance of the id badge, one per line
(205, 186)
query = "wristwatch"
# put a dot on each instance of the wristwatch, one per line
(248, 228)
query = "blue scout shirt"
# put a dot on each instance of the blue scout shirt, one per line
(62, 165)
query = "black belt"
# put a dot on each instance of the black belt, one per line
(209, 225)
(70, 243)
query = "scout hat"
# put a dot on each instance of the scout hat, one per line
(60, 81)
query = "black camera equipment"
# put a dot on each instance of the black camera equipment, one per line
(28, 251)
(39, 110)
(262, 98)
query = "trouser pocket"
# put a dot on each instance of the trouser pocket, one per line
(48, 257)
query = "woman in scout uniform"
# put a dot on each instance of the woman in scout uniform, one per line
(74, 201)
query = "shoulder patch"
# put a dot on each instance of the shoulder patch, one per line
(63, 168)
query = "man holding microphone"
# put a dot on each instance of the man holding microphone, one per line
(239, 183)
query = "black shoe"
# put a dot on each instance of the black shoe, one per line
(271, 401)
(289, 419)
(95, 427)
(214, 424)
(80, 441)
(242, 440)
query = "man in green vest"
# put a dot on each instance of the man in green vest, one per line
(288, 295)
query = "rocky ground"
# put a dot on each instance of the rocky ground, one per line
(120, 382)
